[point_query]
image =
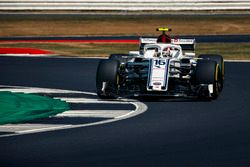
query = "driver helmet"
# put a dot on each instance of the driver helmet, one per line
(164, 38)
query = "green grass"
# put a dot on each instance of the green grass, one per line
(227, 50)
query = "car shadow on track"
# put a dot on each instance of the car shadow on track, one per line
(171, 99)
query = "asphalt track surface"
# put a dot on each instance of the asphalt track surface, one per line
(133, 39)
(171, 133)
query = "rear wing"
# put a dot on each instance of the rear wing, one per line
(186, 44)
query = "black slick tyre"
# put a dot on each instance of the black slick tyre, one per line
(207, 72)
(107, 73)
(219, 60)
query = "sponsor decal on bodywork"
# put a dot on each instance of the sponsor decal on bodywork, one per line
(158, 74)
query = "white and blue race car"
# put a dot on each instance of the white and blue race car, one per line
(161, 69)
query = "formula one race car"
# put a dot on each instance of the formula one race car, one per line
(161, 69)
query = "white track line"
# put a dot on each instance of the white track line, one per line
(93, 113)
(25, 127)
(140, 108)
(40, 90)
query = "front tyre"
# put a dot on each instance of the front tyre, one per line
(207, 73)
(220, 61)
(107, 78)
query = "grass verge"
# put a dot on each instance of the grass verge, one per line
(227, 50)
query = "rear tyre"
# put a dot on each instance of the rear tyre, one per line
(219, 60)
(207, 72)
(107, 78)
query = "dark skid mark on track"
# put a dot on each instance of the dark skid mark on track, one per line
(6, 133)
(90, 106)
(66, 120)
